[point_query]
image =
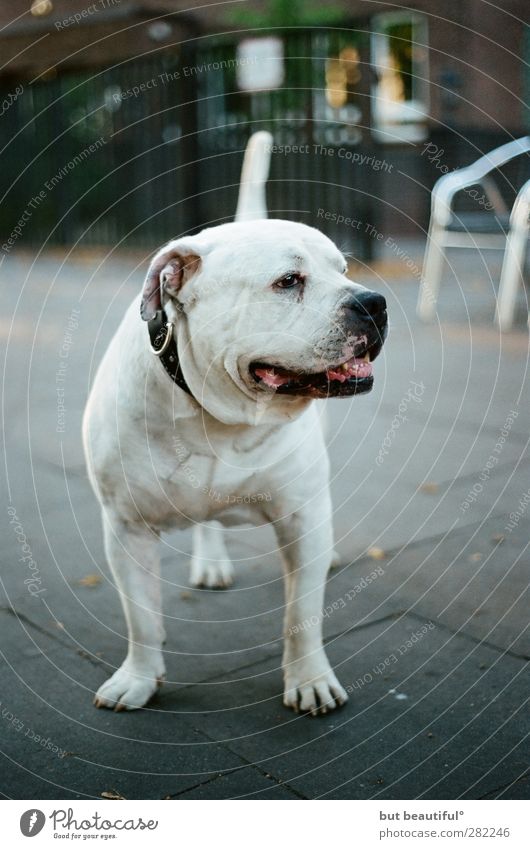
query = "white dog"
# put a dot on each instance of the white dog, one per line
(202, 412)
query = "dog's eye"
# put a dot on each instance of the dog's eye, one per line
(289, 281)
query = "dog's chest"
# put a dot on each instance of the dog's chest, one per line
(201, 478)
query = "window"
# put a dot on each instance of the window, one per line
(339, 90)
(400, 91)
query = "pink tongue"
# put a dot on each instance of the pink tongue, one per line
(356, 368)
(271, 378)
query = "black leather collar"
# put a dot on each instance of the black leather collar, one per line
(159, 328)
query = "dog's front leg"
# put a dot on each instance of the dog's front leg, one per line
(132, 552)
(306, 542)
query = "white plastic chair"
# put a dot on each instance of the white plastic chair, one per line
(448, 229)
(514, 259)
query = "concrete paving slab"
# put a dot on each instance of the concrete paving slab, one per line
(468, 580)
(436, 722)
(55, 744)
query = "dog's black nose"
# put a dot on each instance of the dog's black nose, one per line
(367, 303)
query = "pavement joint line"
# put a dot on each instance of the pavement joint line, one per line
(42, 779)
(205, 782)
(396, 614)
(245, 765)
(471, 637)
(410, 612)
(268, 775)
(472, 476)
(40, 628)
(507, 754)
(523, 777)
(192, 728)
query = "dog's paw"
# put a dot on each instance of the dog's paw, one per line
(315, 694)
(127, 690)
(211, 574)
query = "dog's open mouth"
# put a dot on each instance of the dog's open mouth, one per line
(348, 378)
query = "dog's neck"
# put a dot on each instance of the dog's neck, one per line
(164, 346)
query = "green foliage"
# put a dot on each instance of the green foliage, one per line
(286, 13)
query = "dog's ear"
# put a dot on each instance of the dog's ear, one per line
(172, 266)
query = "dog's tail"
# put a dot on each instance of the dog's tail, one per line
(252, 202)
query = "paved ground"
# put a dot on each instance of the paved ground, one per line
(432, 649)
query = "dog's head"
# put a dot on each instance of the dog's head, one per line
(268, 319)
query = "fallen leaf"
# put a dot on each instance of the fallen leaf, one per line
(112, 794)
(430, 488)
(90, 581)
(475, 557)
(376, 553)
(498, 538)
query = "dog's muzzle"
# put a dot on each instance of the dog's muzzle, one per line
(365, 325)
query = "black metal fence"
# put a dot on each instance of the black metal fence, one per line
(148, 149)
(94, 150)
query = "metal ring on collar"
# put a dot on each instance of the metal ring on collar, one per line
(169, 333)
